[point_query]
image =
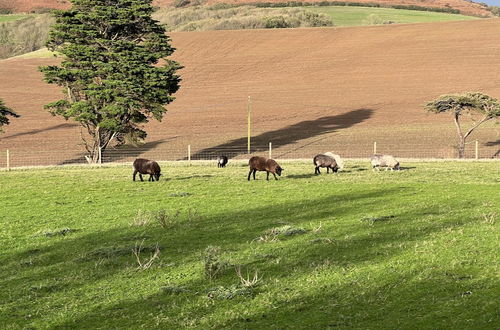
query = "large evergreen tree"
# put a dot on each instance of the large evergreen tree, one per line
(115, 73)
(480, 108)
(4, 112)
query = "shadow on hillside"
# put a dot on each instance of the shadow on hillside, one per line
(36, 131)
(492, 144)
(287, 135)
(98, 256)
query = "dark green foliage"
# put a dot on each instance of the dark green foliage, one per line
(5, 11)
(114, 71)
(4, 112)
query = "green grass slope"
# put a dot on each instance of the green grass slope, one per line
(411, 249)
(352, 16)
(11, 17)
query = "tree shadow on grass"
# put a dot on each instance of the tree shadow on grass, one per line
(287, 135)
(72, 263)
(300, 262)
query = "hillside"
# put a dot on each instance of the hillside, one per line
(464, 6)
(312, 89)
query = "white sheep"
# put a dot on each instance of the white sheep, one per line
(386, 161)
(338, 160)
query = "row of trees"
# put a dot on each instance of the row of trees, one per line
(116, 75)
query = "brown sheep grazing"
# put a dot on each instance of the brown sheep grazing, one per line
(263, 164)
(324, 161)
(146, 166)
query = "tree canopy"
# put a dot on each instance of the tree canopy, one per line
(472, 104)
(4, 113)
(115, 73)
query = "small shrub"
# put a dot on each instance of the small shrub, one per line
(5, 11)
(222, 293)
(162, 217)
(214, 265)
(146, 262)
(372, 220)
(287, 230)
(62, 232)
(174, 290)
(142, 218)
(181, 3)
(374, 19)
(248, 282)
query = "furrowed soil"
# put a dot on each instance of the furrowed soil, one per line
(312, 90)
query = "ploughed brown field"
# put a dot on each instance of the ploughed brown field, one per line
(312, 90)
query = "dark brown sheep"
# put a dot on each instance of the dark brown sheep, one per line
(146, 166)
(257, 163)
(324, 161)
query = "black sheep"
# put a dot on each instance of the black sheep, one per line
(222, 161)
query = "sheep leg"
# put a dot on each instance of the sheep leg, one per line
(249, 174)
(254, 171)
(267, 178)
(140, 177)
(275, 178)
(133, 175)
(327, 169)
(316, 170)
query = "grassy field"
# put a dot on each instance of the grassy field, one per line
(411, 249)
(11, 17)
(351, 16)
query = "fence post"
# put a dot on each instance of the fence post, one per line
(249, 110)
(270, 150)
(8, 160)
(374, 148)
(477, 149)
(189, 154)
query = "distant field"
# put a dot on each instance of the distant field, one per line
(351, 16)
(11, 17)
(357, 249)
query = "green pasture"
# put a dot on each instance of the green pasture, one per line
(352, 16)
(410, 249)
(11, 17)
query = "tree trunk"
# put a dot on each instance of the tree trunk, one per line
(461, 148)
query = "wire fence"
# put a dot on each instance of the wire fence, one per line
(13, 158)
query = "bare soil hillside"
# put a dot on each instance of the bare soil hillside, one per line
(466, 7)
(312, 90)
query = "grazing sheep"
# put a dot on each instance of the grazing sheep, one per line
(386, 161)
(222, 161)
(324, 161)
(146, 166)
(263, 164)
(338, 160)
